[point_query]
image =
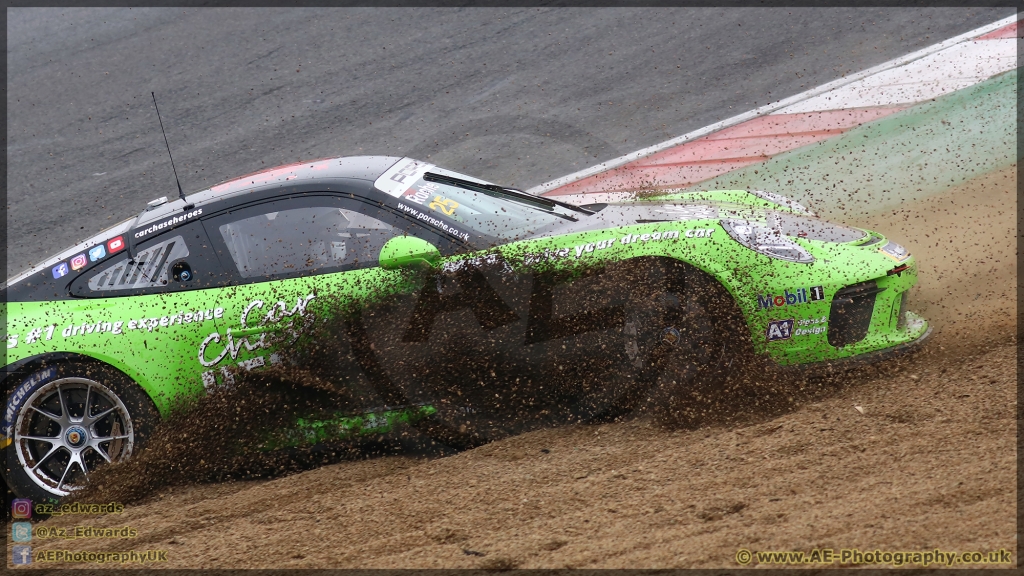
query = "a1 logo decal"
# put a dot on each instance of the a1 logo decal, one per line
(780, 330)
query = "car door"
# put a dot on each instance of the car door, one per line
(302, 263)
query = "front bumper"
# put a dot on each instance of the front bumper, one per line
(854, 318)
(851, 362)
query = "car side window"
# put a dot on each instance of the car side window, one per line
(151, 267)
(284, 240)
(180, 259)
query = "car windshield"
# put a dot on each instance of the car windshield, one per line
(489, 213)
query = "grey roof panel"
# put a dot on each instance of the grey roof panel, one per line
(353, 167)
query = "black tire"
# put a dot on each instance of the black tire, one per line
(689, 387)
(117, 420)
(657, 288)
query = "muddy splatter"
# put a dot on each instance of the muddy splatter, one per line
(476, 355)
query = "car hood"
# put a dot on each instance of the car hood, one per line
(629, 214)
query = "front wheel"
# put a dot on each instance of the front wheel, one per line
(695, 361)
(67, 419)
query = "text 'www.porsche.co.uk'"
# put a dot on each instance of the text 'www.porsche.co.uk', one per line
(25, 535)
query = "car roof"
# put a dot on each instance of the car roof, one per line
(347, 167)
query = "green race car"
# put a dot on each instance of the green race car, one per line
(425, 288)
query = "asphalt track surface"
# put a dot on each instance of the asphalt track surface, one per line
(515, 95)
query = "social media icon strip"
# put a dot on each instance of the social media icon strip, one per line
(60, 270)
(78, 262)
(21, 508)
(21, 531)
(21, 554)
(97, 252)
(115, 244)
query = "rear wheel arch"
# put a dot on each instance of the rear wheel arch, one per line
(17, 371)
(107, 397)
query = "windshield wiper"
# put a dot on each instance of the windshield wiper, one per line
(547, 204)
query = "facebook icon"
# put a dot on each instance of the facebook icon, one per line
(21, 554)
(60, 270)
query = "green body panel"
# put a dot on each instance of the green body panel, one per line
(748, 275)
(261, 318)
(308, 432)
(152, 339)
(173, 356)
(156, 341)
(406, 251)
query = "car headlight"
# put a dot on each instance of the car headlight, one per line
(767, 240)
(895, 251)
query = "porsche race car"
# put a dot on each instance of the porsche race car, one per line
(416, 267)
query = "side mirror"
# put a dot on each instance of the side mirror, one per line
(408, 252)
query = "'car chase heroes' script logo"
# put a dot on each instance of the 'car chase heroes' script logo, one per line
(169, 222)
(263, 327)
(263, 338)
(787, 298)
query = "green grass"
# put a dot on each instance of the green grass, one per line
(909, 155)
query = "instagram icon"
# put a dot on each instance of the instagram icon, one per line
(78, 262)
(21, 508)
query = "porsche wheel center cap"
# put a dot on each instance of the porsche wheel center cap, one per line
(76, 436)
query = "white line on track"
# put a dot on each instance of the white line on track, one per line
(771, 107)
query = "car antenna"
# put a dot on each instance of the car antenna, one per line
(180, 193)
(131, 243)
